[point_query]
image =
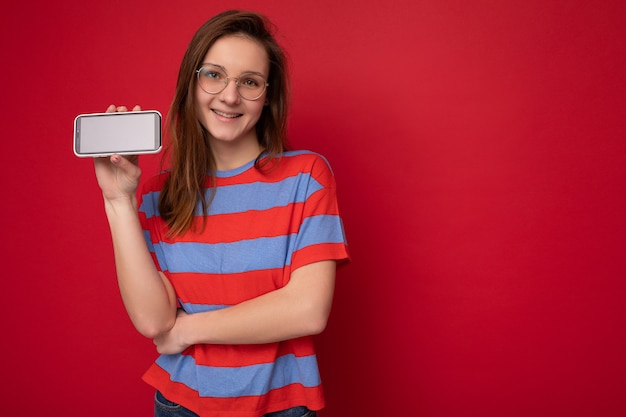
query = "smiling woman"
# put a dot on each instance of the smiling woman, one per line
(228, 260)
(227, 114)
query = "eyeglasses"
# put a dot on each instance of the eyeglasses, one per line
(213, 80)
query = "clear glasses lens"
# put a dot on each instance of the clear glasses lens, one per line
(213, 80)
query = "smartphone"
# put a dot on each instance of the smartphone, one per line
(124, 133)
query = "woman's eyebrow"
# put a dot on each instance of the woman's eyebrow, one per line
(224, 69)
(215, 65)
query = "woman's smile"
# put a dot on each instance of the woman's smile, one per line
(227, 115)
(229, 118)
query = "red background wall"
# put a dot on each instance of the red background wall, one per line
(480, 157)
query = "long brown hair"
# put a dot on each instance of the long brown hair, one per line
(192, 162)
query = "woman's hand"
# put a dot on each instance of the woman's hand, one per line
(118, 177)
(173, 342)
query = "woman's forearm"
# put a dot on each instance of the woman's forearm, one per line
(147, 294)
(269, 318)
(301, 308)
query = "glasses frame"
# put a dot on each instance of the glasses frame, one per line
(226, 80)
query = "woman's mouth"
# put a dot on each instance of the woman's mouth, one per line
(226, 115)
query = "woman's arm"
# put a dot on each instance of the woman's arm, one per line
(300, 308)
(148, 296)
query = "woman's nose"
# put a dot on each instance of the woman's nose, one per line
(230, 94)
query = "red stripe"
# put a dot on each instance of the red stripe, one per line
(248, 225)
(200, 288)
(240, 226)
(289, 166)
(321, 252)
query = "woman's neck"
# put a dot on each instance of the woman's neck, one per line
(233, 155)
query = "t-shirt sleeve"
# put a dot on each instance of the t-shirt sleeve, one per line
(148, 212)
(321, 234)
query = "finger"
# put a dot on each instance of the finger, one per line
(122, 108)
(119, 161)
(128, 165)
(111, 109)
(137, 108)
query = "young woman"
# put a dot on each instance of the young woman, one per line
(227, 260)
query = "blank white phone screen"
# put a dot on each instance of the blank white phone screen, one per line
(118, 133)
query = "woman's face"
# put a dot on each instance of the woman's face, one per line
(229, 118)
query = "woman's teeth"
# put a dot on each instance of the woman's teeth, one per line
(228, 115)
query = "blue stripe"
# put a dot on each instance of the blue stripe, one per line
(201, 308)
(146, 236)
(228, 382)
(248, 255)
(320, 229)
(300, 152)
(252, 196)
(227, 258)
(157, 250)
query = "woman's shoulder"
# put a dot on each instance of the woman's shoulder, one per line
(307, 160)
(308, 164)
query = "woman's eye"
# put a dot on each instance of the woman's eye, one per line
(249, 82)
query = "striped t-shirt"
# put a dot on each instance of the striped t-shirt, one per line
(262, 224)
